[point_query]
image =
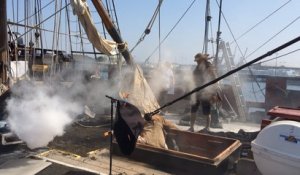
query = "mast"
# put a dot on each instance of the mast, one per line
(159, 42)
(112, 30)
(207, 20)
(218, 35)
(3, 43)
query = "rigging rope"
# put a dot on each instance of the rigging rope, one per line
(54, 38)
(13, 9)
(273, 37)
(39, 28)
(280, 56)
(117, 21)
(243, 57)
(69, 28)
(80, 34)
(41, 22)
(27, 17)
(149, 26)
(47, 30)
(246, 32)
(17, 14)
(269, 53)
(159, 33)
(171, 30)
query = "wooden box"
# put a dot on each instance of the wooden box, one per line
(198, 153)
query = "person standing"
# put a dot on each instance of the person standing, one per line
(202, 74)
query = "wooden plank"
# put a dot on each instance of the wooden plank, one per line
(98, 161)
(23, 166)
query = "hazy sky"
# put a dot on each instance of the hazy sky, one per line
(187, 38)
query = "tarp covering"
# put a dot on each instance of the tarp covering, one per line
(81, 9)
(154, 132)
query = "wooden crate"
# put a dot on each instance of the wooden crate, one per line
(198, 153)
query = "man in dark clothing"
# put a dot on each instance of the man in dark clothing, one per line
(203, 73)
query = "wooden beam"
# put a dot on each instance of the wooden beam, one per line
(111, 29)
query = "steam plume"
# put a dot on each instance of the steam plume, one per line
(38, 113)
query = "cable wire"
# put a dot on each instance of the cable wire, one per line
(280, 56)
(42, 22)
(243, 57)
(246, 32)
(269, 53)
(273, 37)
(149, 26)
(171, 30)
(36, 12)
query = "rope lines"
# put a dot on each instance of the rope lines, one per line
(149, 26)
(273, 37)
(171, 30)
(243, 57)
(269, 53)
(296, 50)
(43, 21)
(27, 17)
(261, 21)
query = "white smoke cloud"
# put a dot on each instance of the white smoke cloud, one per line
(38, 113)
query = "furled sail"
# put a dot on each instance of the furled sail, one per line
(81, 9)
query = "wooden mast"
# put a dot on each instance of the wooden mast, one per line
(207, 21)
(111, 29)
(3, 43)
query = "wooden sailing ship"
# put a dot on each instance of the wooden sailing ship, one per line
(195, 152)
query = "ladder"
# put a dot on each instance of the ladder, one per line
(235, 81)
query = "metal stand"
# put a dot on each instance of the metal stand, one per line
(112, 101)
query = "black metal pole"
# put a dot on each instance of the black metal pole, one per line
(111, 134)
(112, 101)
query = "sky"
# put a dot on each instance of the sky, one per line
(187, 37)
